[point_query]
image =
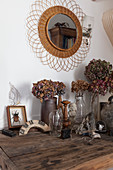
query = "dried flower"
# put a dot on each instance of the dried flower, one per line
(110, 82)
(99, 73)
(46, 89)
(99, 87)
(60, 88)
(98, 70)
(79, 86)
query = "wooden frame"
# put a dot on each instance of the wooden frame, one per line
(43, 32)
(49, 54)
(16, 116)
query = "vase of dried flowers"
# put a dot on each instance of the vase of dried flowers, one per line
(79, 87)
(46, 90)
(99, 73)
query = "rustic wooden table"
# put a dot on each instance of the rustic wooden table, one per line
(37, 151)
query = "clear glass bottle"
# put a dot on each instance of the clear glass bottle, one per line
(81, 109)
(56, 122)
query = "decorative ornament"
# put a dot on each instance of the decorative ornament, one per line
(72, 115)
(101, 127)
(72, 109)
(14, 95)
(31, 124)
(59, 62)
(87, 125)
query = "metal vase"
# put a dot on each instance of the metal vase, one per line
(47, 107)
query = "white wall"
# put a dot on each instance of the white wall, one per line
(19, 65)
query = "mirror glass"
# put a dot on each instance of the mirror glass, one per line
(62, 31)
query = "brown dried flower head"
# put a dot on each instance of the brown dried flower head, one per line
(79, 85)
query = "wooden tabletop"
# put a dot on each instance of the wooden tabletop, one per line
(37, 151)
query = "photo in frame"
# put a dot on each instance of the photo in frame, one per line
(16, 116)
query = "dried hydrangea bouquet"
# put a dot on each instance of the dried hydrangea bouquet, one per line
(46, 91)
(99, 74)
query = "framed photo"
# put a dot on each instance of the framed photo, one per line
(16, 116)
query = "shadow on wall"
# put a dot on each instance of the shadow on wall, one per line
(33, 104)
(35, 108)
(69, 95)
(79, 72)
(5, 119)
(67, 92)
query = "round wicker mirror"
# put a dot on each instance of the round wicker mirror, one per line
(62, 31)
(50, 53)
(59, 33)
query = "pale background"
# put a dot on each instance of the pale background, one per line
(19, 65)
(21, 118)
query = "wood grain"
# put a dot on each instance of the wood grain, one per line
(5, 162)
(101, 163)
(39, 150)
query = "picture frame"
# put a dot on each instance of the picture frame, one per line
(16, 116)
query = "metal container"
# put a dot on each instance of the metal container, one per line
(107, 113)
(47, 107)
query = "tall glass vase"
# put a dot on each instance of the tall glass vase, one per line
(56, 122)
(81, 109)
(95, 106)
(94, 110)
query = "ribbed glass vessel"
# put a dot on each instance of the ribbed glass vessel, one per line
(56, 122)
(81, 109)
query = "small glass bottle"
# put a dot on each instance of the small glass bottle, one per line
(81, 109)
(56, 122)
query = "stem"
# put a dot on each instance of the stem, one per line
(92, 100)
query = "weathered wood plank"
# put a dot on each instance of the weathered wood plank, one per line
(56, 159)
(42, 151)
(34, 145)
(5, 162)
(100, 163)
(60, 157)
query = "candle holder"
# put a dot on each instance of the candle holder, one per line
(65, 133)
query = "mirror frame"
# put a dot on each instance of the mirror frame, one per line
(59, 64)
(43, 32)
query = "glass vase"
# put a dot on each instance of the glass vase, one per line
(94, 115)
(56, 122)
(81, 109)
(95, 106)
